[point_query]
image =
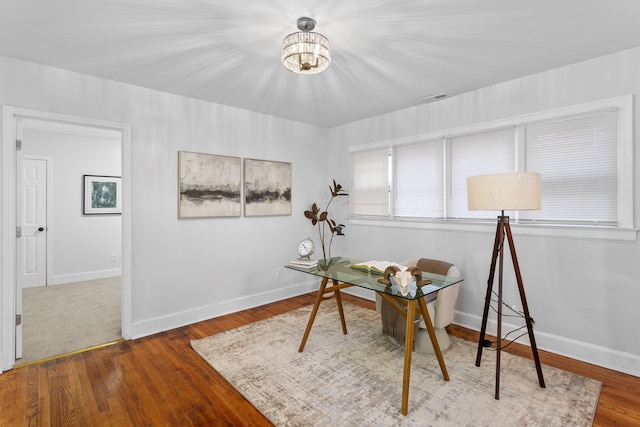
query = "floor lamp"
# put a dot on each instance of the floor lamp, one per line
(500, 192)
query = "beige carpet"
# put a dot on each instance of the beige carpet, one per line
(60, 319)
(356, 379)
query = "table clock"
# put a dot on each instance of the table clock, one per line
(306, 248)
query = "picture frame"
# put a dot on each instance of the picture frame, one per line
(102, 195)
(267, 187)
(209, 185)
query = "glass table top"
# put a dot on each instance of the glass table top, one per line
(340, 269)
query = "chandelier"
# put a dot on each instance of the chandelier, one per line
(306, 52)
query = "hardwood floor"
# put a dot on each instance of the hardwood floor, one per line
(161, 381)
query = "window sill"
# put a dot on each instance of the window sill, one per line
(564, 231)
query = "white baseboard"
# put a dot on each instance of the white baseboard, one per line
(627, 363)
(176, 320)
(612, 359)
(81, 277)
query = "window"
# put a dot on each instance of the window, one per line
(476, 154)
(576, 159)
(583, 155)
(419, 183)
(369, 183)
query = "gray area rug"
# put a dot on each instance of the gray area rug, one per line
(59, 319)
(356, 379)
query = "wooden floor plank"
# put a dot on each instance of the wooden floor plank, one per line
(150, 363)
(160, 381)
(32, 413)
(9, 390)
(81, 383)
(44, 400)
(60, 395)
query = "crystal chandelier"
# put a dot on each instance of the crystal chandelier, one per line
(306, 52)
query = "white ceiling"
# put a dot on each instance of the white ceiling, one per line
(386, 54)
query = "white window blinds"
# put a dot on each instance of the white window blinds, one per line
(577, 161)
(476, 154)
(419, 180)
(369, 183)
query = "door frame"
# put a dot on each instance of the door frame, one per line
(8, 285)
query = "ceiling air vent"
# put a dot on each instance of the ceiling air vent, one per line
(432, 98)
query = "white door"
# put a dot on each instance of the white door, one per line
(31, 215)
(33, 220)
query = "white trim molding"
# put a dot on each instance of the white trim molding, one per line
(210, 311)
(559, 231)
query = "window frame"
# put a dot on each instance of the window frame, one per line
(624, 231)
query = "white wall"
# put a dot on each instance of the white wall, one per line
(582, 293)
(188, 270)
(82, 245)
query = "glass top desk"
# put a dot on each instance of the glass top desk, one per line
(341, 275)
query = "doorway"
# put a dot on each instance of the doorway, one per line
(13, 253)
(78, 306)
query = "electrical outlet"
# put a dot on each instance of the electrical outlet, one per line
(113, 257)
(278, 273)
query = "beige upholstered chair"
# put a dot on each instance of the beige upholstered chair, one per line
(440, 307)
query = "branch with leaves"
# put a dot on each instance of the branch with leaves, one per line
(322, 220)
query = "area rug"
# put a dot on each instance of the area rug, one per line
(356, 379)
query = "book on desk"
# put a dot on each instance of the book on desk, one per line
(377, 267)
(303, 263)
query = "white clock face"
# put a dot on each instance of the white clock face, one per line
(305, 248)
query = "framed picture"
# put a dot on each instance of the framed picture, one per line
(209, 185)
(102, 195)
(267, 188)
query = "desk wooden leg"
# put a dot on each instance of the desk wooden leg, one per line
(340, 309)
(408, 350)
(312, 317)
(432, 336)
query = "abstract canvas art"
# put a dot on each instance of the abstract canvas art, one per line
(102, 195)
(209, 185)
(267, 188)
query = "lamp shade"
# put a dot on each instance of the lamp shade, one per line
(504, 191)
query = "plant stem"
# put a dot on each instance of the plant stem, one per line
(321, 230)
